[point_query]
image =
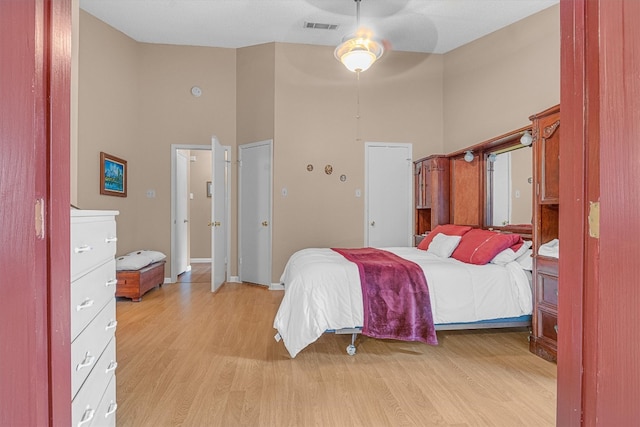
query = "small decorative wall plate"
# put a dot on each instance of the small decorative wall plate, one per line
(343, 178)
(328, 169)
(310, 167)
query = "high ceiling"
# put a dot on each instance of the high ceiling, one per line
(431, 26)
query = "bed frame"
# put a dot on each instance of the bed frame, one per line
(509, 322)
(135, 283)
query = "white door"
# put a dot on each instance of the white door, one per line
(254, 206)
(182, 219)
(388, 194)
(219, 220)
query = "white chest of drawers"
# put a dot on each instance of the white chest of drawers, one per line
(93, 318)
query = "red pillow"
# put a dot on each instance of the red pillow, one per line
(481, 246)
(447, 229)
(518, 244)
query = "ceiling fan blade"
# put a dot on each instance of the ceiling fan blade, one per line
(393, 30)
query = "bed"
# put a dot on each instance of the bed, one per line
(323, 293)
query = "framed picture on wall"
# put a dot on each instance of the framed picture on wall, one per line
(113, 175)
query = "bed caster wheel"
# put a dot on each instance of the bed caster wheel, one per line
(351, 349)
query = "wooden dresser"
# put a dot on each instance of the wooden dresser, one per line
(546, 208)
(93, 318)
(431, 194)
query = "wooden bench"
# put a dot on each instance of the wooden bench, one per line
(135, 283)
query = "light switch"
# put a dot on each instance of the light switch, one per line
(151, 194)
(284, 192)
(358, 192)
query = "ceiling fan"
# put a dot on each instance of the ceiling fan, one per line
(360, 50)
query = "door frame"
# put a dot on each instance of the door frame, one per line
(179, 267)
(174, 152)
(270, 219)
(35, 386)
(410, 180)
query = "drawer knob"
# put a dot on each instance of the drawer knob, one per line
(87, 361)
(112, 367)
(111, 325)
(113, 407)
(111, 282)
(111, 239)
(85, 304)
(82, 249)
(555, 328)
(87, 416)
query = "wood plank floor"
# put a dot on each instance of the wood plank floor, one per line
(187, 357)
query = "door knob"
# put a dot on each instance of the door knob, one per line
(265, 223)
(185, 220)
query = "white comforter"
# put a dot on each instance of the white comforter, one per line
(323, 292)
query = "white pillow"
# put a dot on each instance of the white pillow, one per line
(132, 262)
(526, 260)
(443, 245)
(154, 255)
(508, 255)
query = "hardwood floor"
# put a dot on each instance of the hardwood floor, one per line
(187, 357)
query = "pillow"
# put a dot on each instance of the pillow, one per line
(526, 260)
(480, 246)
(443, 245)
(512, 253)
(132, 262)
(154, 255)
(447, 229)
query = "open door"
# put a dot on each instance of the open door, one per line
(219, 218)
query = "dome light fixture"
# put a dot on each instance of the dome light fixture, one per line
(358, 52)
(526, 138)
(468, 156)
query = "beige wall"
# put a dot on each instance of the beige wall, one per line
(493, 85)
(134, 102)
(315, 123)
(108, 96)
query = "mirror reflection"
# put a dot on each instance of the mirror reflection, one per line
(509, 187)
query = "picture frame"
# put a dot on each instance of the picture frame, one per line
(208, 188)
(113, 175)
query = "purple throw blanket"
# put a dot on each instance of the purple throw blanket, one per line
(395, 296)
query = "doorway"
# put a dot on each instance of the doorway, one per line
(197, 190)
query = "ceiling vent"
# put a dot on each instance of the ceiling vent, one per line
(319, 26)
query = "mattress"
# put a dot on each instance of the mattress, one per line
(323, 292)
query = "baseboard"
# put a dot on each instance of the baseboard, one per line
(276, 287)
(234, 279)
(201, 260)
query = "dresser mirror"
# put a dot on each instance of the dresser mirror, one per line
(509, 187)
